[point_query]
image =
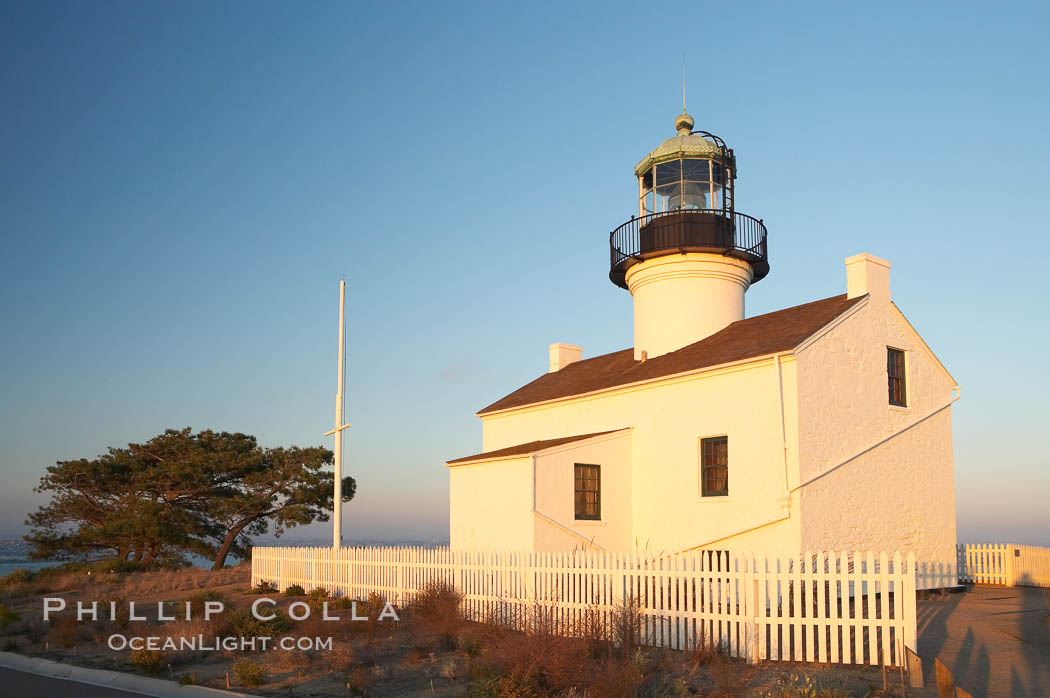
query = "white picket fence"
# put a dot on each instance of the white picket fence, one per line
(824, 607)
(1004, 563)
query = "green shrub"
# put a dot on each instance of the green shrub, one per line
(198, 599)
(149, 661)
(241, 622)
(436, 609)
(119, 567)
(295, 590)
(16, 577)
(279, 624)
(471, 646)
(803, 686)
(187, 680)
(265, 587)
(374, 604)
(344, 603)
(7, 616)
(249, 673)
(65, 631)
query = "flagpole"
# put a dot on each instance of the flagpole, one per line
(337, 495)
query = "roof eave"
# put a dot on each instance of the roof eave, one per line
(613, 434)
(648, 381)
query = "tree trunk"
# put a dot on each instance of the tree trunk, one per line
(151, 552)
(122, 553)
(138, 555)
(227, 543)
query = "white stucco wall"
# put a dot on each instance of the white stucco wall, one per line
(898, 496)
(490, 505)
(680, 299)
(668, 419)
(555, 485)
(901, 494)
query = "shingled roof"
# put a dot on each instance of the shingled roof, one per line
(530, 447)
(761, 335)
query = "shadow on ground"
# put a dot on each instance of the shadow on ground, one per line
(995, 640)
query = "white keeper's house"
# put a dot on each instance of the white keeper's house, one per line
(826, 426)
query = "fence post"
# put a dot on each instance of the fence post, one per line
(398, 555)
(1008, 565)
(752, 607)
(529, 559)
(910, 623)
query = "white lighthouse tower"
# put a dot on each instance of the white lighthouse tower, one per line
(689, 256)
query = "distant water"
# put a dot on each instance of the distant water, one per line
(348, 542)
(14, 552)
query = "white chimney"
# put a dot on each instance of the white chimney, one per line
(562, 355)
(867, 274)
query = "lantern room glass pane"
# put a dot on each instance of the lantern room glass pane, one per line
(687, 184)
(668, 195)
(694, 196)
(647, 203)
(696, 170)
(668, 173)
(718, 197)
(718, 172)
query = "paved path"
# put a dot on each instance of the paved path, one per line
(26, 685)
(995, 640)
(37, 677)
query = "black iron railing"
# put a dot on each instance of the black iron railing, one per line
(689, 230)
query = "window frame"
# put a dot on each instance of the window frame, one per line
(577, 515)
(902, 379)
(704, 466)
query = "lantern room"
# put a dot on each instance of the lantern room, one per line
(686, 203)
(691, 171)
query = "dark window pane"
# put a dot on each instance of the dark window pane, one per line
(695, 170)
(718, 172)
(714, 466)
(668, 173)
(587, 495)
(895, 374)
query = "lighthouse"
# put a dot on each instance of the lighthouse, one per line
(688, 256)
(823, 426)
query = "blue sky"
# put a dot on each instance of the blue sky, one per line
(182, 186)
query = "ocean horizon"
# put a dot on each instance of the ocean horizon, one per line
(14, 552)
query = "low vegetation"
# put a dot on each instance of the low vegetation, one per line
(149, 661)
(433, 650)
(249, 673)
(130, 578)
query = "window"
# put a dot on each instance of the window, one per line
(588, 492)
(714, 466)
(895, 371)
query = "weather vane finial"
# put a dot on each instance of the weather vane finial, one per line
(683, 83)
